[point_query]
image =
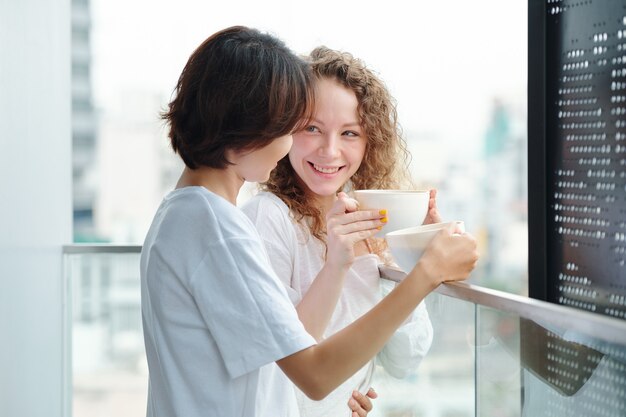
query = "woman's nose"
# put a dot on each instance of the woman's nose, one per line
(329, 147)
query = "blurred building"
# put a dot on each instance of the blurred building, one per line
(484, 184)
(504, 197)
(137, 165)
(84, 125)
(119, 153)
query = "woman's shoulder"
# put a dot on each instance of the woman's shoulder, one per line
(196, 210)
(264, 205)
(196, 201)
(271, 217)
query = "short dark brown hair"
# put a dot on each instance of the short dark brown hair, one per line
(239, 90)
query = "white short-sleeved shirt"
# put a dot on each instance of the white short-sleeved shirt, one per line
(297, 258)
(213, 312)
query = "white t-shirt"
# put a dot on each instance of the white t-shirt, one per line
(297, 258)
(213, 312)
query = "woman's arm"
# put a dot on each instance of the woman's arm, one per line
(321, 368)
(345, 227)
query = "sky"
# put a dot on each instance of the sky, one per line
(444, 61)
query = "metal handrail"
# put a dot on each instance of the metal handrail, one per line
(79, 248)
(605, 328)
(612, 330)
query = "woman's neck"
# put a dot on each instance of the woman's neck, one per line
(223, 182)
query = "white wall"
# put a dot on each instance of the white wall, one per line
(35, 202)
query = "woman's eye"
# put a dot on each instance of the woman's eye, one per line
(351, 133)
(311, 129)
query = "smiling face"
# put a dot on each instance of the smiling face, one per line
(331, 147)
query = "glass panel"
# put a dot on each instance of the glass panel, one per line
(498, 366)
(571, 374)
(532, 369)
(109, 369)
(443, 385)
(483, 361)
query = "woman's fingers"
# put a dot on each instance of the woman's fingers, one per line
(357, 216)
(342, 237)
(433, 196)
(350, 203)
(451, 256)
(466, 256)
(342, 205)
(360, 404)
(433, 215)
(352, 233)
(345, 212)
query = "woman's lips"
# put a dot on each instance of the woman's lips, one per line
(325, 170)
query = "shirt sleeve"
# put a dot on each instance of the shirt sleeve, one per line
(246, 307)
(407, 347)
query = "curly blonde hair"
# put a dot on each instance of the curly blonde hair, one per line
(385, 162)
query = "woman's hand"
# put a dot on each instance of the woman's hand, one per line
(360, 404)
(450, 256)
(433, 214)
(345, 226)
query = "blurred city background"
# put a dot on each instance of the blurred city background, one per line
(458, 71)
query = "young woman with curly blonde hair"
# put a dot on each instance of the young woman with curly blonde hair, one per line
(314, 232)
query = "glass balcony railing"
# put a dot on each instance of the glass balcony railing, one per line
(494, 354)
(108, 366)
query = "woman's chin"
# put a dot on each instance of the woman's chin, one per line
(326, 192)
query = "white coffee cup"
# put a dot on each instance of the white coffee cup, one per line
(407, 245)
(405, 208)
